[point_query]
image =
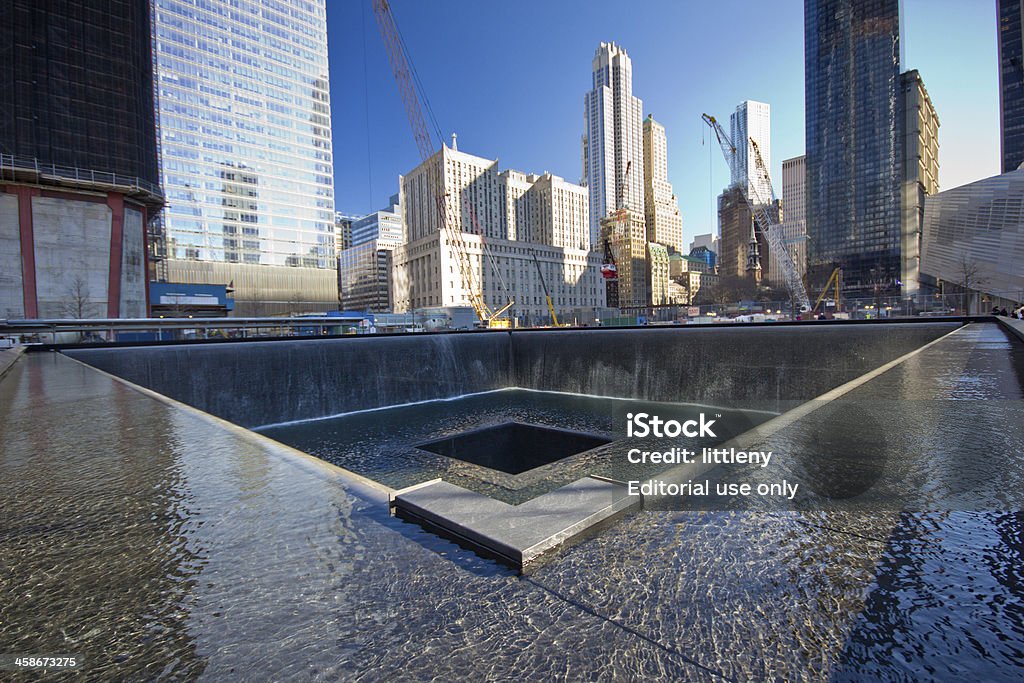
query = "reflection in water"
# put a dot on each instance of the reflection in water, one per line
(94, 526)
(162, 546)
(382, 444)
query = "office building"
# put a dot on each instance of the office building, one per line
(385, 224)
(1011, 83)
(613, 141)
(508, 219)
(664, 222)
(793, 228)
(744, 247)
(752, 121)
(364, 269)
(626, 236)
(245, 150)
(706, 246)
(658, 274)
(343, 231)
(854, 168)
(919, 142)
(78, 162)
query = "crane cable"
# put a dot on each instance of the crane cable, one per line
(366, 103)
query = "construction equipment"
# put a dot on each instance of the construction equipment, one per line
(835, 279)
(450, 227)
(609, 266)
(547, 296)
(758, 206)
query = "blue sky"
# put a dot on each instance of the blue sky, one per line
(509, 78)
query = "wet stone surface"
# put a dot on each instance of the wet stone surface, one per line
(159, 545)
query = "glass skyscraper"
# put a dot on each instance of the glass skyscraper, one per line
(243, 108)
(852, 81)
(1011, 83)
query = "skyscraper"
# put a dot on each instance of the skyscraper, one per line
(245, 147)
(752, 120)
(78, 162)
(852, 81)
(664, 222)
(794, 224)
(1011, 83)
(919, 144)
(613, 142)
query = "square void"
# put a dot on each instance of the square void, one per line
(514, 447)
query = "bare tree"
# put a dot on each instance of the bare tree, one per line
(968, 274)
(77, 302)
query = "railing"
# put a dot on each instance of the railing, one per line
(11, 165)
(101, 330)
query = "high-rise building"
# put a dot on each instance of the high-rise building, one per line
(793, 227)
(364, 269)
(752, 121)
(919, 142)
(78, 160)
(852, 83)
(343, 230)
(1011, 83)
(385, 224)
(507, 218)
(744, 247)
(613, 142)
(626, 236)
(664, 222)
(243, 107)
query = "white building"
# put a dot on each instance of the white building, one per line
(517, 216)
(972, 247)
(752, 120)
(613, 142)
(664, 222)
(794, 221)
(385, 224)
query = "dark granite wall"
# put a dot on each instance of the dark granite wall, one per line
(755, 367)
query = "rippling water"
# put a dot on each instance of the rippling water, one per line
(162, 546)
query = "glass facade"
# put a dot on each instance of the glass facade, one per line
(852, 79)
(76, 85)
(244, 117)
(1011, 83)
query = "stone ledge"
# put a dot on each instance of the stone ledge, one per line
(517, 535)
(8, 357)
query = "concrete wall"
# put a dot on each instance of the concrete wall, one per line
(133, 266)
(257, 383)
(72, 248)
(12, 302)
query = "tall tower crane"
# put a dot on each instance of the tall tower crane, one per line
(758, 206)
(450, 228)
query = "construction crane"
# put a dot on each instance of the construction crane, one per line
(543, 284)
(835, 279)
(609, 266)
(450, 227)
(758, 206)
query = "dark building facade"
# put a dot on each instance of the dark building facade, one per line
(852, 81)
(79, 179)
(76, 85)
(1011, 83)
